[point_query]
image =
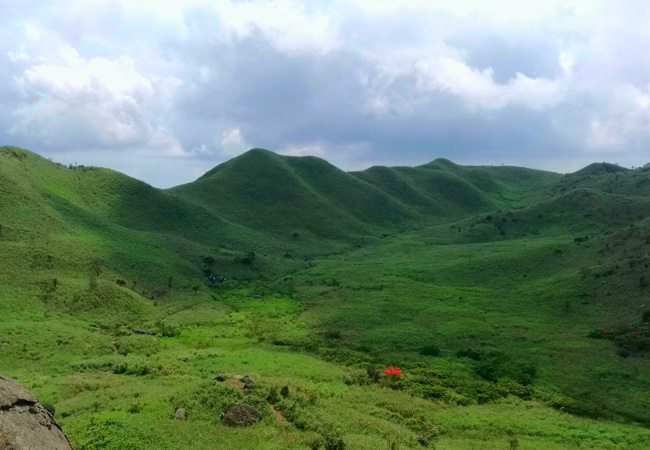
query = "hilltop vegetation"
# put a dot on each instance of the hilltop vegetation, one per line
(513, 300)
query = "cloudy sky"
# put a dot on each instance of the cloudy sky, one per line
(165, 90)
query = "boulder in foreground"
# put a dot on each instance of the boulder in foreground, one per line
(25, 424)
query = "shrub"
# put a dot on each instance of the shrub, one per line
(512, 387)
(167, 330)
(49, 408)
(332, 334)
(132, 365)
(135, 408)
(273, 396)
(427, 434)
(561, 402)
(497, 365)
(374, 373)
(645, 317)
(468, 353)
(623, 352)
(145, 345)
(432, 392)
(430, 350)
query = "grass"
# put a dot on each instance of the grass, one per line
(483, 284)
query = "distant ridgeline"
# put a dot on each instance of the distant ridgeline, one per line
(278, 209)
(259, 212)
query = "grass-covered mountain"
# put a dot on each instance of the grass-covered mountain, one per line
(285, 196)
(514, 301)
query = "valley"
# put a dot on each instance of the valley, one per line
(514, 301)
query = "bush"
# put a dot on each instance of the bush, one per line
(332, 334)
(167, 330)
(469, 353)
(430, 350)
(623, 352)
(132, 365)
(645, 317)
(144, 345)
(512, 387)
(49, 408)
(427, 434)
(496, 365)
(135, 408)
(374, 373)
(273, 396)
(561, 402)
(432, 392)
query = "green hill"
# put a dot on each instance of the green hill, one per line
(299, 198)
(442, 188)
(306, 196)
(600, 169)
(513, 300)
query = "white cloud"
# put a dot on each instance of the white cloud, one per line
(105, 102)
(478, 88)
(306, 150)
(286, 23)
(625, 124)
(233, 143)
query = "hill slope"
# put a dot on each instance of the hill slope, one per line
(289, 196)
(490, 292)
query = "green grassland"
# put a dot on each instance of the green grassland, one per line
(502, 293)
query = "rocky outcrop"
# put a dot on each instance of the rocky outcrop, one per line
(24, 423)
(240, 415)
(249, 383)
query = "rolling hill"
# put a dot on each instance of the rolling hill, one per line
(514, 301)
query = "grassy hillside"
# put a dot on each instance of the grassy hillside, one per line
(261, 190)
(306, 197)
(513, 301)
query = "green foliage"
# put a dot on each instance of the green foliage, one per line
(50, 408)
(430, 350)
(167, 330)
(132, 365)
(374, 373)
(645, 317)
(496, 365)
(405, 257)
(137, 344)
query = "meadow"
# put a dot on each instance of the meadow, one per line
(493, 289)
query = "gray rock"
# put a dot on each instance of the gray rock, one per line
(24, 423)
(240, 415)
(180, 414)
(249, 383)
(220, 377)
